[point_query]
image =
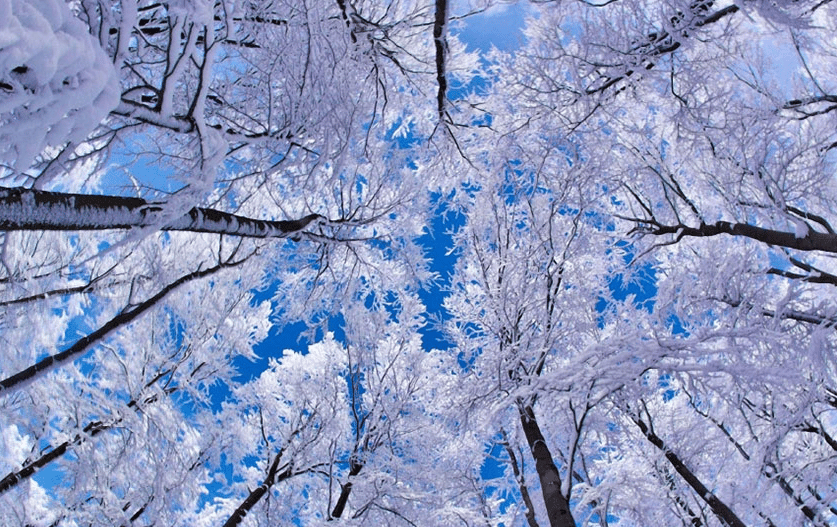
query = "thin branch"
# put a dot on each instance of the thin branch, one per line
(24, 377)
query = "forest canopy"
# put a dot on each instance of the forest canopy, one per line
(297, 263)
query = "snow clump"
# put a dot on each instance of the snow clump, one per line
(56, 82)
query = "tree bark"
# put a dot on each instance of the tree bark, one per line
(29, 469)
(26, 209)
(441, 44)
(812, 241)
(345, 490)
(557, 506)
(273, 476)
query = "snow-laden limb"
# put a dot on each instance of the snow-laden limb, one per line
(56, 83)
(721, 510)
(25, 209)
(802, 239)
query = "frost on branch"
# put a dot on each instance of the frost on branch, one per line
(56, 83)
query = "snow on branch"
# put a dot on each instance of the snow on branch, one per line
(25, 209)
(811, 241)
(24, 377)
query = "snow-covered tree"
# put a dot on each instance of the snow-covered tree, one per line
(640, 314)
(272, 121)
(711, 127)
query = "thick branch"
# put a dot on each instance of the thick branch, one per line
(26, 209)
(345, 491)
(812, 241)
(814, 105)
(92, 429)
(29, 469)
(787, 314)
(273, 476)
(771, 474)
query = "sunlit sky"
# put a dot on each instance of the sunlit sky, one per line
(500, 26)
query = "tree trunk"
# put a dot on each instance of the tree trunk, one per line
(345, 490)
(441, 44)
(253, 498)
(721, 510)
(557, 506)
(25, 209)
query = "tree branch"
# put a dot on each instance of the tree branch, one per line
(26, 209)
(721, 510)
(21, 378)
(812, 241)
(273, 476)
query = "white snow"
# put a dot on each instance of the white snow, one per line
(57, 82)
(800, 228)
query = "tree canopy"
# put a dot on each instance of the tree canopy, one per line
(296, 263)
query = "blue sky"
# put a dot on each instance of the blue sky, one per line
(500, 26)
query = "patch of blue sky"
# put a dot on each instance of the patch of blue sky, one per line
(137, 173)
(500, 27)
(77, 327)
(438, 246)
(640, 284)
(296, 336)
(221, 485)
(495, 462)
(50, 476)
(664, 382)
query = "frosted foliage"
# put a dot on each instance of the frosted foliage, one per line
(36, 508)
(14, 446)
(586, 282)
(56, 83)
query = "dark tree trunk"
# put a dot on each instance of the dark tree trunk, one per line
(441, 49)
(721, 510)
(557, 506)
(273, 477)
(345, 490)
(812, 241)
